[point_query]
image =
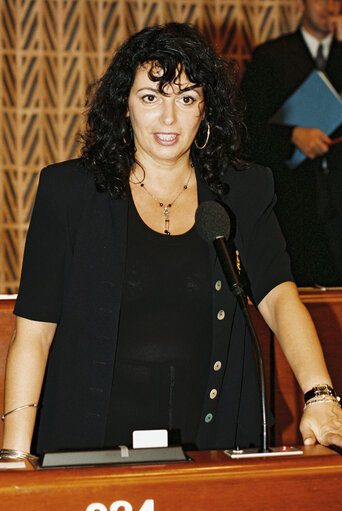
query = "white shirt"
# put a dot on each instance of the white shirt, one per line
(313, 43)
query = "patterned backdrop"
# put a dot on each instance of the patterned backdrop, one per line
(51, 49)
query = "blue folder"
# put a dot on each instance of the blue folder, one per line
(315, 104)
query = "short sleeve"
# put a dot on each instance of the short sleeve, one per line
(44, 265)
(268, 263)
(263, 247)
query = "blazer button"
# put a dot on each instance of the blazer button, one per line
(208, 418)
(218, 285)
(213, 394)
(221, 314)
(217, 365)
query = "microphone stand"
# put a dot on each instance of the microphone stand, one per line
(238, 291)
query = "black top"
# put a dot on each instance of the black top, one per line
(72, 275)
(164, 342)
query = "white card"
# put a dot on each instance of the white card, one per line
(150, 438)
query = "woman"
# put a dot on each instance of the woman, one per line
(121, 296)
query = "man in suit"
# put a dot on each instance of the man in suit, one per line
(309, 204)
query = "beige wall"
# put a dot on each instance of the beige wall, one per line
(51, 49)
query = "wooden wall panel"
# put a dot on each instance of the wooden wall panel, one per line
(51, 49)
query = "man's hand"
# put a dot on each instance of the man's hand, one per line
(335, 24)
(311, 141)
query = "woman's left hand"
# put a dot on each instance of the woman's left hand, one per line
(322, 423)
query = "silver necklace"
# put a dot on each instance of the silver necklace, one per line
(166, 206)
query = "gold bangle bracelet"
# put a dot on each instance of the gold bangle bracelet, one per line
(35, 405)
(326, 399)
(13, 454)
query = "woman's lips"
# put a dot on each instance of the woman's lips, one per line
(166, 138)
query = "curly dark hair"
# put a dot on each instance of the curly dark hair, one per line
(108, 146)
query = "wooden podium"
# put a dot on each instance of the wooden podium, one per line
(284, 395)
(211, 482)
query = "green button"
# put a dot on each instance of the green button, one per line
(208, 417)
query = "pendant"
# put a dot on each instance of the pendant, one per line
(167, 220)
(166, 229)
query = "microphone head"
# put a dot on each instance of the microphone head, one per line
(212, 221)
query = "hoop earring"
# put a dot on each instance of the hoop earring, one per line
(206, 140)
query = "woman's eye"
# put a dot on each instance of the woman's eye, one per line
(149, 98)
(187, 100)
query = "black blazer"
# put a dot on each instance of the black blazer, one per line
(277, 68)
(72, 275)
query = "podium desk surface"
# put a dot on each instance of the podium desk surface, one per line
(212, 481)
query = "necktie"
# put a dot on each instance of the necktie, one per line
(320, 60)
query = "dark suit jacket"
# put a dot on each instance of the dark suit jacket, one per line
(277, 68)
(72, 275)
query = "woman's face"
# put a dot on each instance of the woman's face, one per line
(164, 126)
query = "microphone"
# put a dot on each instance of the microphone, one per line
(212, 221)
(213, 225)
